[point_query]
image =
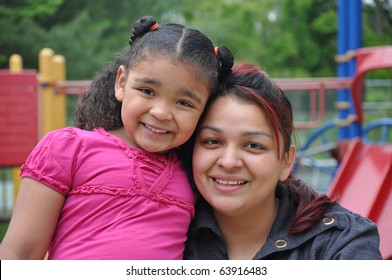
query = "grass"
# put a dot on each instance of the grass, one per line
(3, 229)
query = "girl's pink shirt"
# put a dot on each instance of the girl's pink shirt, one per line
(121, 202)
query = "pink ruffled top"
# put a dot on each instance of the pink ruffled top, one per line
(121, 202)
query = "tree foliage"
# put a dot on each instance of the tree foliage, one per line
(17, 10)
(288, 38)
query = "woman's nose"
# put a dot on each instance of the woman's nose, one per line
(230, 159)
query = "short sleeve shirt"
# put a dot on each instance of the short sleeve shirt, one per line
(121, 202)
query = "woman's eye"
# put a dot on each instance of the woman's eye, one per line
(210, 142)
(255, 146)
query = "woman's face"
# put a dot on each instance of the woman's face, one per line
(235, 162)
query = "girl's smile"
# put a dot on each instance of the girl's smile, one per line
(162, 101)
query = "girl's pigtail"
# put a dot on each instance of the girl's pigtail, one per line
(141, 27)
(226, 59)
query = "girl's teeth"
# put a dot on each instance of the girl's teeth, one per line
(156, 130)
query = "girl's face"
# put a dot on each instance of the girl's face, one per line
(235, 162)
(162, 101)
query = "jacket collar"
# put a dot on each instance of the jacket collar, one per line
(279, 238)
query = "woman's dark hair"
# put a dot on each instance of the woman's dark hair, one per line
(250, 84)
(98, 107)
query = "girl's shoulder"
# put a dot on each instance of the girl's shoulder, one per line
(70, 134)
(63, 133)
(66, 140)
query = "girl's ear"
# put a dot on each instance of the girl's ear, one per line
(120, 83)
(287, 163)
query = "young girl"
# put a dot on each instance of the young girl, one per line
(252, 207)
(113, 187)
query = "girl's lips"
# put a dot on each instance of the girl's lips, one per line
(154, 129)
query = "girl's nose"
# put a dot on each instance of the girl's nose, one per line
(161, 112)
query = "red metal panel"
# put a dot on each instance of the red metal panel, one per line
(18, 116)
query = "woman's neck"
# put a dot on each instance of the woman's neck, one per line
(246, 234)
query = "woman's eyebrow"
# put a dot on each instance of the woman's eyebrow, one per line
(256, 133)
(209, 127)
(243, 134)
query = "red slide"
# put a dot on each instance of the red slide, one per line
(363, 184)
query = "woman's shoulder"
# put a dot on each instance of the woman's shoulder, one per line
(347, 218)
(352, 235)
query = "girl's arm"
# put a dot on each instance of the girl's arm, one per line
(33, 221)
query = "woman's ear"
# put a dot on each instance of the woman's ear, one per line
(120, 83)
(287, 163)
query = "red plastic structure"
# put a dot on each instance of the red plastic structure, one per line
(363, 182)
(18, 116)
(368, 59)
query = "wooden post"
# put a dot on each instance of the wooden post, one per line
(15, 63)
(45, 67)
(60, 100)
(16, 66)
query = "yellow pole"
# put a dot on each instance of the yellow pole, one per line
(16, 66)
(15, 63)
(60, 100)
(45, 67)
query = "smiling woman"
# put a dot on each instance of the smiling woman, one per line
(228, 154)
(251, 206)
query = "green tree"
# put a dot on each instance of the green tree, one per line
(288, 38)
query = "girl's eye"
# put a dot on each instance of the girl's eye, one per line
(147, 91)
(185, 103)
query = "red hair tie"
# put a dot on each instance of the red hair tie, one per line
(155, 26)
(216, 52)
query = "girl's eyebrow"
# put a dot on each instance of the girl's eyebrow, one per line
(148, 81)
(191, 95)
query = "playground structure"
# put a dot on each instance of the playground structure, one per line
(362, 173)
(33, 103)
(26, 115)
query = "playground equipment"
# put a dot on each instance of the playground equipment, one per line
(26, 115)
(362, 173)
(363, 182)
